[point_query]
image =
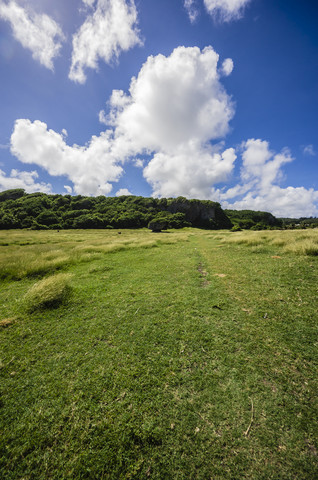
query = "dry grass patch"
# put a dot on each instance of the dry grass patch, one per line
(26, 254)
(299, 242)
(6, 322)
(307, 246)
(48, 293)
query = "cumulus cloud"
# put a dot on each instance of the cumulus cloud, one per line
(165, 109)
(225, 10)
(89, 167)
(175, 116)
(123, 191)
(291, 202)
(260, 165)
(191, 8)
(106, 32)
(259, 189)
(36, 32)
(227, 67)
(25, 180)
(69, 189)
(190, 173)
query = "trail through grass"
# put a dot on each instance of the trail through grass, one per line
(178, 356)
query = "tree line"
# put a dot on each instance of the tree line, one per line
(41, 211)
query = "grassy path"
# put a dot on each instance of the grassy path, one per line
(161, 368)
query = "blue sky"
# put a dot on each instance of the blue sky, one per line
(209, 99)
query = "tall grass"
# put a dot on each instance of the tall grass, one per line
(303, 242)
(48, 293)
(28, 254)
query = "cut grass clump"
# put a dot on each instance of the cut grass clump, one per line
(48, 293)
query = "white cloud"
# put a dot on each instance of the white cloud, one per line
(190, 173)
(108, 31)
(191, 8)
(174, 117)
(102, 117)
(38, 33)
(69, 189)
(25, 180)
(123, 191)
(165, 109)
(226, 10)
(309, 150)
(138, 163)
(90, 167)
(261, 166)
(291, 202)
(259, 188)
(227, 67)
(89, 3)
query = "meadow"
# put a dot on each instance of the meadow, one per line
(187, 354)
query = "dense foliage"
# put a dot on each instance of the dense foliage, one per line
(302, 222)
(253, 220)
(42, 211)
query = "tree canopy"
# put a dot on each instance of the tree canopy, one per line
(19, 209)
(43, 211)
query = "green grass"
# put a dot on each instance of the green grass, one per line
(181, 355)
(31, 254)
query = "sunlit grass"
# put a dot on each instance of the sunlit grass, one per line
(184, 355)
(299, 242)
(29, 253)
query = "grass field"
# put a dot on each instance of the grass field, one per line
(181, 355)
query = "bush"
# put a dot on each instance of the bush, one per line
(156, 225)
(37, 226)
(236, 228)
(49, 292)
(164, 220)
(88, 221)
(47, 217)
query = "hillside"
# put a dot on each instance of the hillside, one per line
(42, 211)
(250, 219)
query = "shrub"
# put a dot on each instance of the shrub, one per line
(49, 292)
(47, 217)
(156, 225)
(37, 226)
